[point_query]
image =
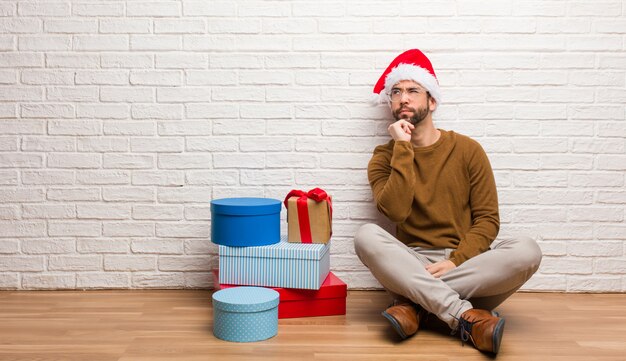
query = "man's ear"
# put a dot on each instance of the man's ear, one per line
(432, 104)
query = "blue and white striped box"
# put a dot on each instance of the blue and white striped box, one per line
(284, 264)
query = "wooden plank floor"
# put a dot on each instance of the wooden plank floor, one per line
(177, 325)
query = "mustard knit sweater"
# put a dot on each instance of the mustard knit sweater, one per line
(440, 196)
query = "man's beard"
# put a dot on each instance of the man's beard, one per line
(418, 114)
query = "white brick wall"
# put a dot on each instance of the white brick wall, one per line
(120, 121)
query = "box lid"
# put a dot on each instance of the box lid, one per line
(245, 206)
(282, 249)
(332, 287)
(245, 299)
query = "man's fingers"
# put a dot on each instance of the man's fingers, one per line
(399, 130)
(435, 271)
(407, 127)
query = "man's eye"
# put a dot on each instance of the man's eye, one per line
(414, 91)
(395, 91)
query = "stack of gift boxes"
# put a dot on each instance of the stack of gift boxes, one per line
(253, 253)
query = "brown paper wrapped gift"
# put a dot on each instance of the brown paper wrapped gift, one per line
(309, 216)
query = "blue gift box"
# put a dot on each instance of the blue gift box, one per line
(244, 222)
(245, 314)
(284, 264)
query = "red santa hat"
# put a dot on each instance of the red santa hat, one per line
(410, 65)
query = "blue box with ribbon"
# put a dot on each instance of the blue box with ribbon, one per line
(245, 222)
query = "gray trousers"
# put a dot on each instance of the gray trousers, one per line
(483, 281)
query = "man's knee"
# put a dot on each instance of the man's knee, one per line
(365, 238)
(529, 253)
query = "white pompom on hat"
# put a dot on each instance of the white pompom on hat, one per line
(410, 65)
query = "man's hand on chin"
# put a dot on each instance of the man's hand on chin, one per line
(401, 130)
(440, 268)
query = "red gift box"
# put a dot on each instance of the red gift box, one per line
(329, 300)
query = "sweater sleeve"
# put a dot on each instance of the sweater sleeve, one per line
(392, 178)
(483, 206)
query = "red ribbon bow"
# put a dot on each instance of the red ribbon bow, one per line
(315, 194)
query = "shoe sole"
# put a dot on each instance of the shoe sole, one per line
(395, 325)
(496, 339)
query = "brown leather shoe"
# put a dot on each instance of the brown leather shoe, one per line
(405, 318)
(483, 328)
